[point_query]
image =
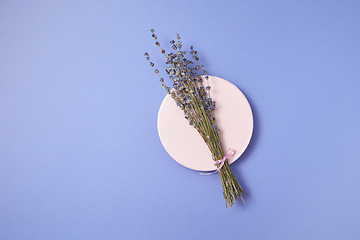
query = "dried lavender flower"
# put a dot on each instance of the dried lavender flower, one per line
(194, 99)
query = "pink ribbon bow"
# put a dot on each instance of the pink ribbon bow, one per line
(228, 154)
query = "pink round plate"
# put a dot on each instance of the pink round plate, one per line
(185, 145)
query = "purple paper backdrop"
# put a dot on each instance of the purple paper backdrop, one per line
(80, 157)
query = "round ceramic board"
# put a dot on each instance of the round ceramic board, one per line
(233, 117)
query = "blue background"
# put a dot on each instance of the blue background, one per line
(80, 157)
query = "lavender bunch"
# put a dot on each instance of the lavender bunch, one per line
(192, 95)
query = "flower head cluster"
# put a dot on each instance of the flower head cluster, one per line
(189, 91)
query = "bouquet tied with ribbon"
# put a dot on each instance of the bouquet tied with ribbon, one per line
(192, 94)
